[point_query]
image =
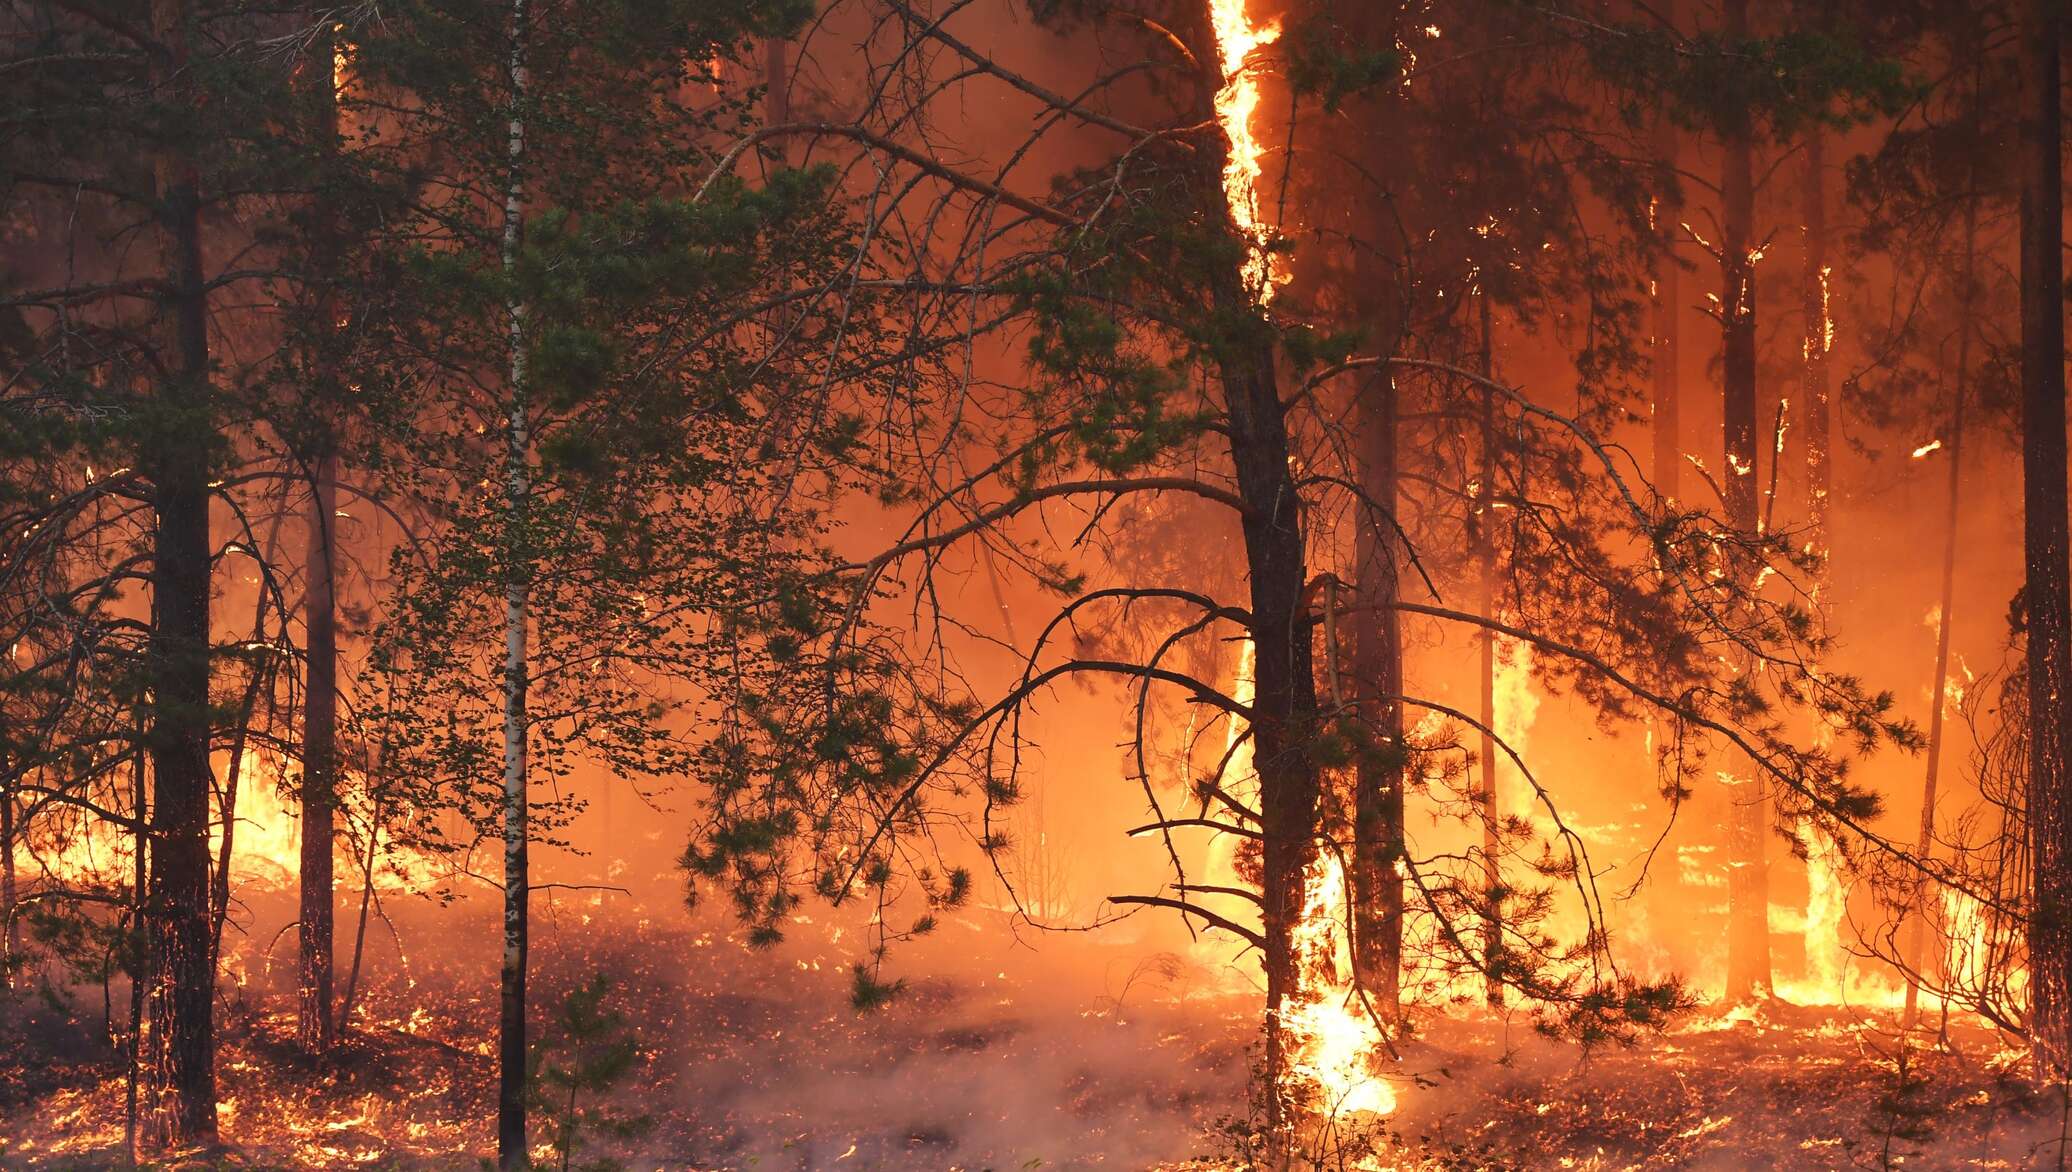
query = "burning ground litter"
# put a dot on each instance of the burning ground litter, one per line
(1084, 1057)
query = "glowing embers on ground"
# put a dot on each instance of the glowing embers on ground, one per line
(1237, 38)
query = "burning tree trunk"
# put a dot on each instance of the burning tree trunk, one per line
(1748, 886)
(319, 763)
(2044, 540)
(1827, 898)
(1284, 704)
(182, 992)
(510, 1099)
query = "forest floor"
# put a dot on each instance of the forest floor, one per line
(1096, 1058)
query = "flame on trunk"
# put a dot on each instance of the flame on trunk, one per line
(1237, 38)
(1332, 1042)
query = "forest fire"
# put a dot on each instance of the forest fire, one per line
(1338, 1046)
(264, 828)
(1197, 585)
(1238, 38)
(1335, 1043)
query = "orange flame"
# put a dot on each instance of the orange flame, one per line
(1332, 1042)
(1237, 38)
(1335, 1044)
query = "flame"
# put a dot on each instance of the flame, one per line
(1515, 707)
(1827, 904)
(266, 846)
(1334, 1043)
(1237, 38)
(1934, 445)
(341, 63)
(1964, 920)
(1824, 328)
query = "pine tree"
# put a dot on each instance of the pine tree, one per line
(159, 119)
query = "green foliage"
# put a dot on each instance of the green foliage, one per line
(1777, 85)
(655, 524)
(586, 1053)
(1327, 64)
(867, 992)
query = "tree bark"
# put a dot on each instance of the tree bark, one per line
(1284, 704)
(182, 1050)
(1666, 310)
(1376, 879)
(140, 978)
(777, 82)
(1748, 884)
(1484, 538)
(1817, 342)
(2044, 542)
(316, 868)
(13, 941)
(1284, 701)
(1821, 940)
(1925, 843)
(319, 764)
(1667, 898)
(1377, 674)
(511, 1049)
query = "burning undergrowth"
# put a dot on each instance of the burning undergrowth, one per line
(1075, 1054)
(743, 1059)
